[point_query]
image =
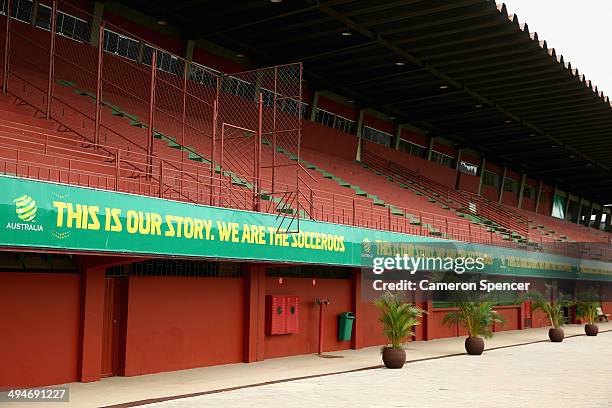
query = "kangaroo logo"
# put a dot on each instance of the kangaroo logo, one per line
(26, 208)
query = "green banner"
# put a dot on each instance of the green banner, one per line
(36, 214)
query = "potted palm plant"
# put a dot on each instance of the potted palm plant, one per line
(588, 311)
(554, 310)
(478, 318)
(398, 319)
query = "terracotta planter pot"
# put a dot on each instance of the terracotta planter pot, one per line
(394, 357)
(474, 346)
(556, 335)
(591, 329)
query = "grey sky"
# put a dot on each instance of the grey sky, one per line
(577, 29)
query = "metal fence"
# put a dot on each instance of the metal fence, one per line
(229, 140)
(112, 88)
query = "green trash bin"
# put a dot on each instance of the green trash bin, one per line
(345, 325)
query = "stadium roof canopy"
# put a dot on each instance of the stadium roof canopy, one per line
(462, 69)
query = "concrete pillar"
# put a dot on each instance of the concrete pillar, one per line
(360, 134)
(189, 49)
(483, 161)
(313, 105)
(430, 147)
(34, 12)
(568, 197)
(398, 135)
(98, 15)
(598, 216)
(457, 165)
(588, 219)
(358, 324)
(540, 186)
(255, 299)
(428, 320)
(92, 313)
(579, 210)
(521, 190)
(258, 82)
(502, 184)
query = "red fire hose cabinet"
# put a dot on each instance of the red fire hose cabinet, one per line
(282, 314)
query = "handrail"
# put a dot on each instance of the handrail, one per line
(425, 184)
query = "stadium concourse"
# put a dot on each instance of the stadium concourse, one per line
(187, 184)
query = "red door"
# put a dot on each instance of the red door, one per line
(113, 325)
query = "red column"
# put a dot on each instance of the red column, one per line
(51, 79)
(357, 341)
(255, 296)
(428, 320)
(92, 309)
(7, 47)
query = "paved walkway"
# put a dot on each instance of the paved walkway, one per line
(573, 374)
(121, 390)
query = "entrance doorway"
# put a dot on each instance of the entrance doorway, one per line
(114, 325)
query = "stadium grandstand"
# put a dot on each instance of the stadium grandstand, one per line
(175, 173)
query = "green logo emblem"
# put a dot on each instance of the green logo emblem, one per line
(25, 207)
(367, 246)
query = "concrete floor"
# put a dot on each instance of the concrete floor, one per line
(123, 390)
(576, 373)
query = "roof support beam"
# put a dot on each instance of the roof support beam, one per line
(502, 184)
(519, 204)
(483, 162)
(540, 187)
(434, 71)
(360, 120)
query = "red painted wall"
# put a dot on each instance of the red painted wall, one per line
(490, 192)
(546, 200)
(512, 315)
(327, 140)
(510, 199)
(178, 323)
(439, 330)
(337, 108)
(339, 293)
(40, 320)
(379, 124)
(216, 62)
(371, 327)
(165, 42)
(437, 172)
(469, 183)
(78, 8)
(443, 148)
(416, 138)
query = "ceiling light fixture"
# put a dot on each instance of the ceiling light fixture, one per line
(276, 1)
(508, 121)
(478, 106)
(443, 86)
(240, 55)
(346, 33)
(400, 63)
(162, 22)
